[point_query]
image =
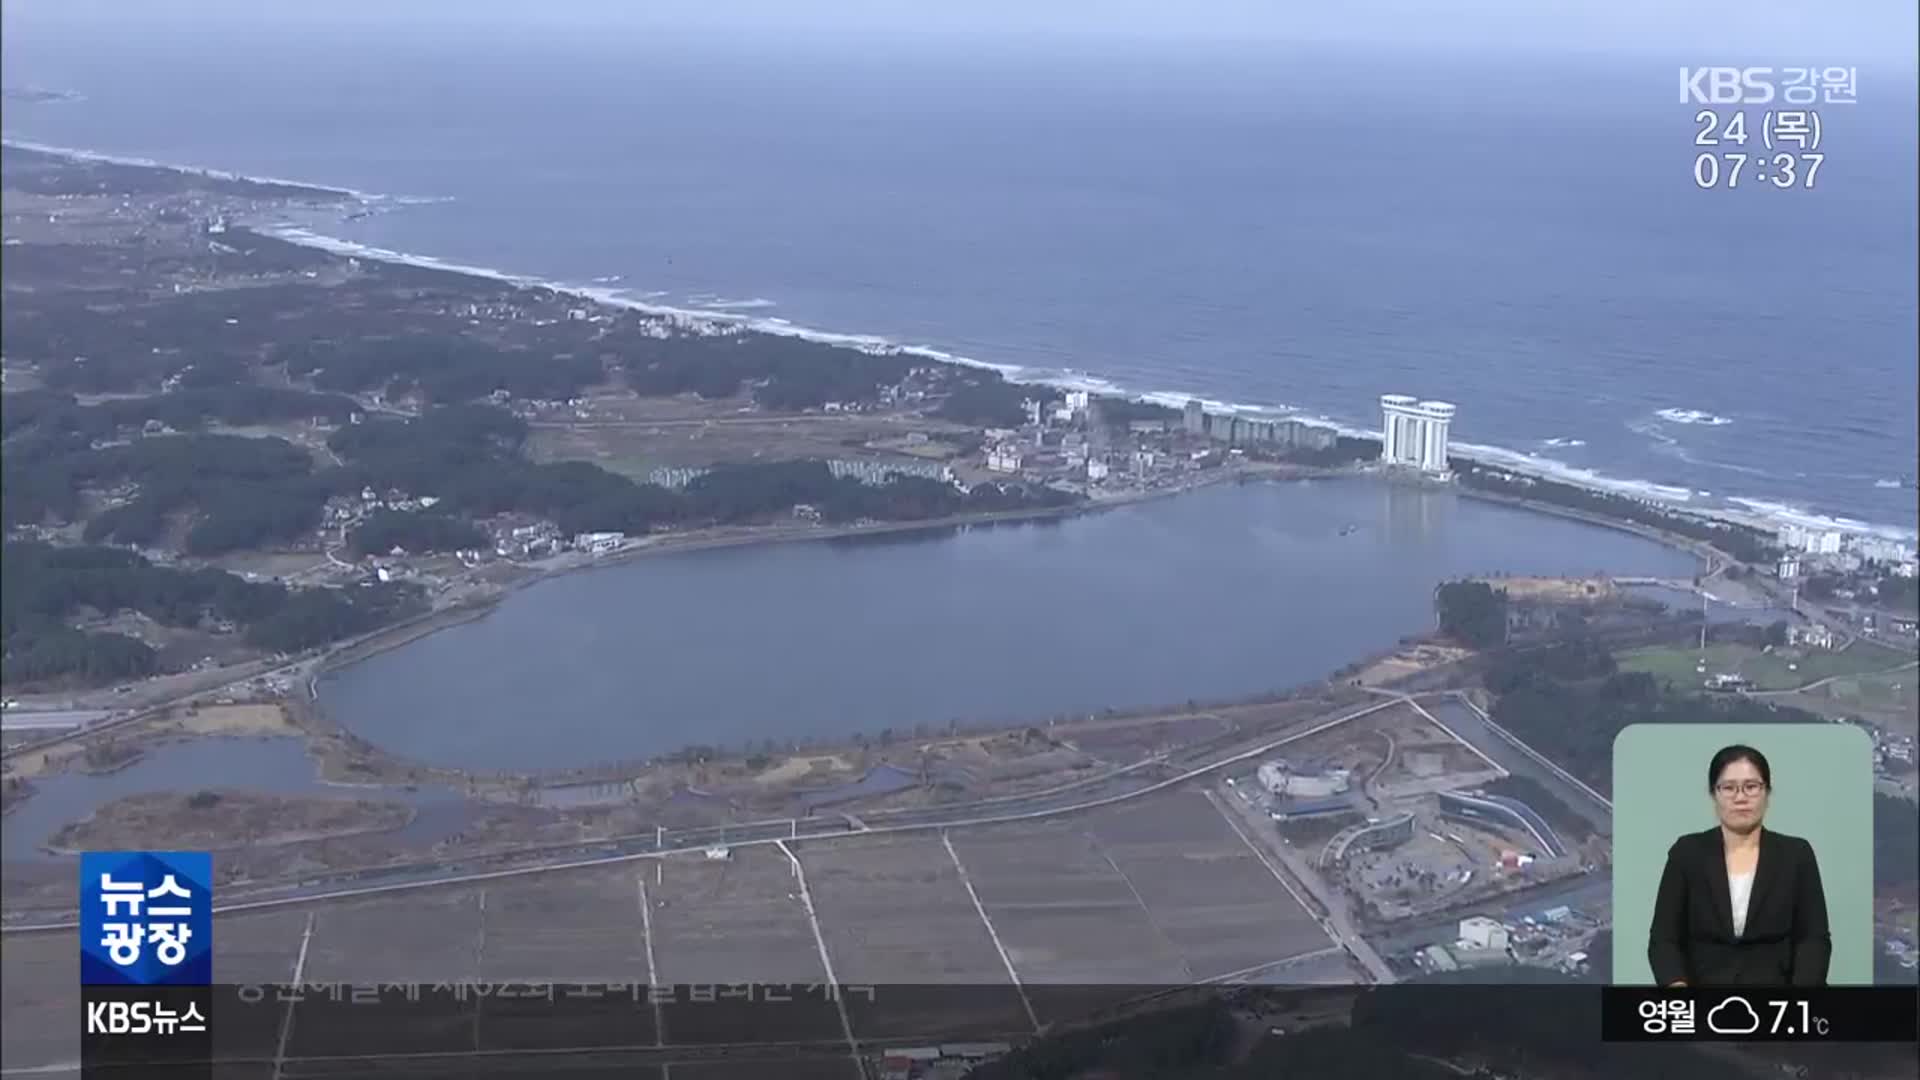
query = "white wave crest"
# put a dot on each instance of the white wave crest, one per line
(1559, 443)
(723, 304)
(1779, 514)
(1692, 416)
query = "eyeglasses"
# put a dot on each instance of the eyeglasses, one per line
(1746, 787)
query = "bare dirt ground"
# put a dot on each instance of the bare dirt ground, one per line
(217, 820)
(1409, 661)
(260, 718)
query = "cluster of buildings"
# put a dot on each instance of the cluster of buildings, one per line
(542, 538)
(1553, 938)
(1235, 430)
(1070, 442)
(947, 1060)
(1894, 753)
(1805, 551)
(346, 511)
(1483, 942)
(542, 408)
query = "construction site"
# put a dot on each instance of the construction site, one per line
(1403, 818)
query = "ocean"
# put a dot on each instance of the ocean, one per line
(1300, 230)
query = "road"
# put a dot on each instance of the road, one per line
(1818, 683)
(1160, 775)
(1329, 908)
(50, 719)
(1473, 726)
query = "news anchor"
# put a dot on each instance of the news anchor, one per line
(1739, 904)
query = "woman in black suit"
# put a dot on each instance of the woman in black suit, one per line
(1739, 904)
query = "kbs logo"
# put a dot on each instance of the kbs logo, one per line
(141, 1018)
(1726, 86)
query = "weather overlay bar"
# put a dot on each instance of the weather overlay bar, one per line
(1803, 1014)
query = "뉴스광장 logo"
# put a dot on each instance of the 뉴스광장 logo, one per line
(146, 918)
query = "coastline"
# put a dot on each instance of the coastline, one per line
(1743, 511)
(1749, 512)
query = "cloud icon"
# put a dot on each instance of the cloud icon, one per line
(1733, 1017)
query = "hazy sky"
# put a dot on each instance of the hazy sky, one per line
(1782, 32)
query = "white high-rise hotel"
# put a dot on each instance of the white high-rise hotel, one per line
(1415, 432)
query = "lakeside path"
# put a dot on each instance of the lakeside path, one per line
(1716, 560)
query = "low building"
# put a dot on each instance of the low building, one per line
(1096, 470)
(1468, 957)
(1480, 932)
(599, 541)
(1815, 636)
(1502, 812)
(1301, 809)
(973, 1051)
(1305, 781)
(1004, 458)
(1373, 834)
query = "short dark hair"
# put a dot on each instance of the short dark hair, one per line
(1737, 752)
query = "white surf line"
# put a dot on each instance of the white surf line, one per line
(1532, 753)
(286, 1018)
(1007, 961)
(826, 961)
(646, 938)
(612, 860)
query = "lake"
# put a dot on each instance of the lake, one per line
(1227, 592)
(276, 765)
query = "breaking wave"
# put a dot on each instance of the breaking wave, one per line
(1692, 416)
